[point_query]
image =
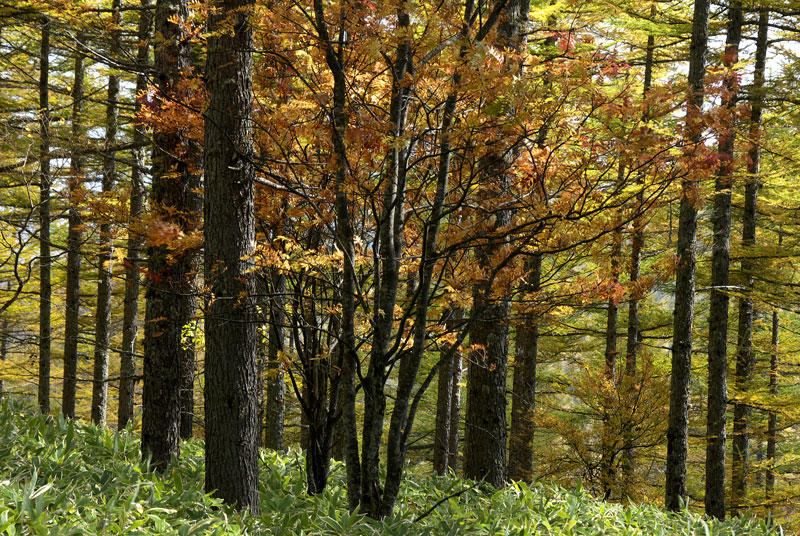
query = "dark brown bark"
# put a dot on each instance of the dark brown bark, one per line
(720, 263)
(485, 419)
(74, 240)
(523, 399)
(610, 432)
(169, 273)
(455, 412)
(772, 426)
(3, 352)
(232, 428)
(45, 289)
(449, 357)
(275, 392)
(745, 356)
(130, 318)
(633, 333)
(102, 337)
(678, 423)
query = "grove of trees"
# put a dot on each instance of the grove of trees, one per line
(516, 240)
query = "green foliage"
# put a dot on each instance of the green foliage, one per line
(63, 477)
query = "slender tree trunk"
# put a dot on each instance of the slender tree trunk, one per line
(772, 426)
(74, 240)
(45, 291)
(610, 432)
(3, 352)
(168, 286)
(678, 423)
(102, 339)
(523, 399)
(130, 318)
(455, 411)
(745, 357)
(720, 263)
(449, 356)
(232, 429)
(637, 243)
(276, 395)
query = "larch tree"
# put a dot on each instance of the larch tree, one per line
(102, 335)
(45, 286)
(745, 353)
(232, 428)
(683, 319)
(485, 418)
(720, 263)
(130, 319)
(169, 260)
(74, 240)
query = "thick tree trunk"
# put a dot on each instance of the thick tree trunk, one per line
(523, 399)
(45, 290)
(232, 428)
(130, 315)
(167, 286)
(485, 420)
(74, 241)
(678, 423)
(102, 335)
(720, 263)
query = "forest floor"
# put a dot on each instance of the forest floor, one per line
(65, 477)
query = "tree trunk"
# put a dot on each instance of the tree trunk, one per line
(448, 357)
(633, 333)
(720, 263)
(772, 426)
(3, 352)
(609, 437)
(103, 313)
(45, 289)
(523, 398)
(455, 411)
(169, 272)
(74, 242)
(678, 423)
(275, 396)
(232, 428)
(130, 318)
(485, 420)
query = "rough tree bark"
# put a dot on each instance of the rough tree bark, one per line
(609, 434)
(678, 423)
(102, 337)
(74, 240)
(168, 285)
(45, 289)
(523, 398)
(232, 428)
(130, 315)
(275, 392)
(449, 357)
(633, 332)
(745, 356)
(485, 419)
(720, 263)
